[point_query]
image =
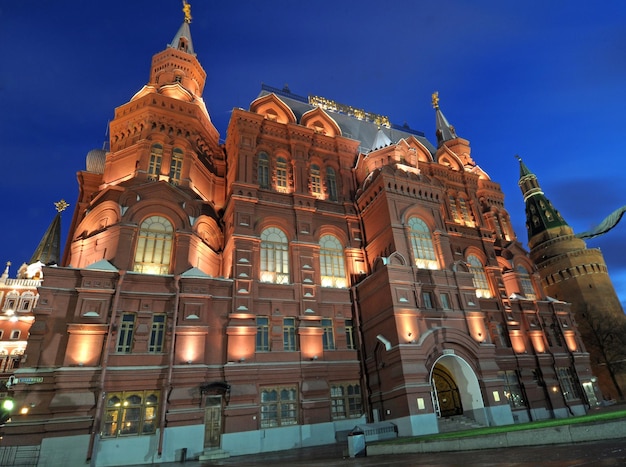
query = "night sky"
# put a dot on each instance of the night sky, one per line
(542, 79)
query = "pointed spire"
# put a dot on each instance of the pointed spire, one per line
(444, 131)
(49, 249)
(541, 216)
(182, 39)
(381, 141)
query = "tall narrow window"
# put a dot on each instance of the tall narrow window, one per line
(279, 406)
(157, 333)
(480, 278)
(453, 210)
(422, 244)
(328, 335)
(332, 262)
(176, 166)
(350, 343)
(316, 182)
(154, 246)
(125, 333)
(331, 183)
(512, 389)
(281, 174)
(156, 155)
(263, 173)
(262, 334)
(289, 334)
(274, 256)
(569, 383)
(467, 218)
(527, 285)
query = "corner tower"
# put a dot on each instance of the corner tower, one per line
(572, 272)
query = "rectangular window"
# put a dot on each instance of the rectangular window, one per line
(328, 336)
(445, 301)
(279, 406)
(350, 344)
(15, 335)
(130, 413)
(157, 333)
(568, 382)
(345, 400)
(289, 334)
(125, 333)
(427, 299)
(512, 389)
(262, 334)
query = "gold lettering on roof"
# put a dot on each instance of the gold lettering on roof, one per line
(360, 114)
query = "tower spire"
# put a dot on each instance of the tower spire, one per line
(49, 249)
(444, 130)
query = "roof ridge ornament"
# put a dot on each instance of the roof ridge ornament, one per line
(435, 99)
(187, 11)
(61, 205)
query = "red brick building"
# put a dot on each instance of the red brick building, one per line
(321, 268)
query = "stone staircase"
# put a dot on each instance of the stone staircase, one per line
(457, 423)
(213, 454)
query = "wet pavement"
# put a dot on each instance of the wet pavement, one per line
(601, 453)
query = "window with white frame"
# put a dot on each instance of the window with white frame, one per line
(331, 184)
(262, 334)
(281, 174)
(154, 246)
(332, 262)
(263, 170)
(422, 244)
(315, 180)
(156, 156)
(157, 333)
(525, 281)
(345, 400)
(289, 334)
(125, 333)
(176, 166)
(328, 334)
(477, 269)
(274, 256)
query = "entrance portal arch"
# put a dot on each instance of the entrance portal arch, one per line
(455, 388)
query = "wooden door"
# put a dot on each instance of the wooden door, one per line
(213, 422)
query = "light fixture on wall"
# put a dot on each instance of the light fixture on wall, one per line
(314, 357)
(384, 341)
(242, 360)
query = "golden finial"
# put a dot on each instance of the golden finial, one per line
(435, 97)
(187, 11)
(61, 205)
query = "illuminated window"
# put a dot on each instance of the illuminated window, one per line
(453, 210)
(445, 301)
(264, 170)
(332, 262)
(15, 335)
(467, 218)
(154, 246)
(279, 406)
(568, 382)
(480, 278)
(262, 334)
(427, 299)
(527, 285)
(316, 182)
(331, 184)
(156, 155)
(157, 333)
(274, 256)
(281, 174)
(289, 334)
(422, 244)
(345, 400)
(176, 166)
(512, 389)
(350, 343)
(125, 333)
(130, 413)
(328, 335)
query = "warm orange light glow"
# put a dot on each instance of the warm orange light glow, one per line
(570, 339)
(24, 410)
(476, 325)
(517, 342)
(407, 324)
(538, 341)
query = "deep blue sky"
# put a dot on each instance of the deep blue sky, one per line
(542, 79)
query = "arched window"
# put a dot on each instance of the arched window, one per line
(480, 278)
(332, 262)
(422, 244)
(156, 155)
(467, 217)
(453, 210)
(316, 183)
(281, 174)
(154, 246)
(331, 183)
(274, 256)
(176, 166)
(263, 170)
(527, 284)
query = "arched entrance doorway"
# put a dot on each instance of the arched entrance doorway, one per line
(447, 392)
(456, 389)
